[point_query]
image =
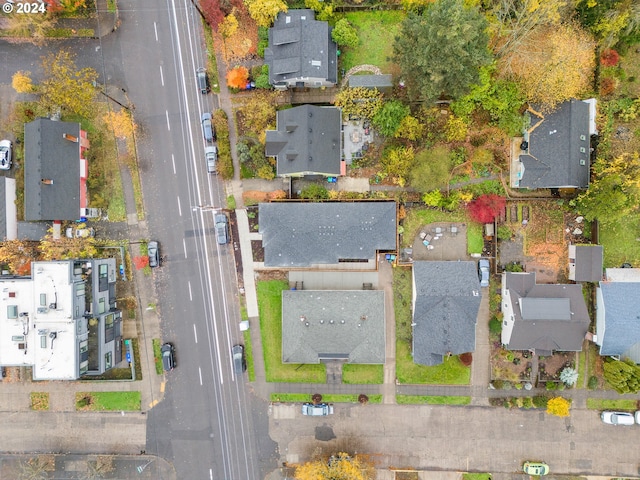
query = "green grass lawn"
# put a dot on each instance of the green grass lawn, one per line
(376, 31)
(248, 353)
(270, 306)
(157, 355)
(604, 404)
(336, 398)
(476, 476)
(619, 242)
(431, 400)
(450, 372)
(362, 374)
(103, 401)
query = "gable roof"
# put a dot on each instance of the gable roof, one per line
(446, 303)
(330, 324)
(555, 156)
(300, 46)
(547, 318)
(585, 263)
(307, 140)
(50, 156)
(621, 305)
(303, 234)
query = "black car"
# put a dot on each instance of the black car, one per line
(168, 357)
(239, 362)
(154, 254)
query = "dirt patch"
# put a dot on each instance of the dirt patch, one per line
(272, 275)
(257, 250)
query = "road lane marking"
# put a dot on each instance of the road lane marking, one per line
(173, 162)
(195, 333)
(179, 207)
(155, 27)
(161, 76)
(200, 373)
(191, 298)
(168, 124)
(184, 245)
(211, 474)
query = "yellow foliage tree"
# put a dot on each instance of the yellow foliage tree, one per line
(229, 26)
(359, 102)
(18, 255)
(558, 406)
(338, 467)
(21, 82)
(410, 129)
(554, 64)
(66, 86)
(121, 123)
(64, 248)
(264, 12)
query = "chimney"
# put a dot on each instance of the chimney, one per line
(46, 181)
(70, 137)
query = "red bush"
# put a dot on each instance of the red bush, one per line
(609, 58)
(485, 208)
(607, 86)
(466, 359)
(213, 12)
(237, 78)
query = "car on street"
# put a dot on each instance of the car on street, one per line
(617, 418)
(483, 272)
(5, 154)
(153, 252)
(317, 410)
(637, 415)
(535, 468)
(222, 229)
(211, 157)
(239, 362)
(80, 232)
(208, 131)
(203, 81)
(168, 352)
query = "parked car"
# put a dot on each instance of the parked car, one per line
(484, 271)
(5, 154)
(211, 157)
(617, 418)
(80, 232)
(318, 410)
(203, 81)
(535, 468)
(222, 229)
(638, 417)
(168, 357)
(239, 362)
(208, 131)
(154, 254)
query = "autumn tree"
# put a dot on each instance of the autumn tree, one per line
(431, 169)
(558, 406)
(257, 114)
(66, 86)
(264, 12)
(344, 34)
(396, 163)
(388, 118)
(486, 208)
(21, 82)
(622, 375)
(237, 77)
(18, 255)
(359, 102)
(213, 12)
(611, 21)
(439, 51)
(121, 123)
(337, 467)
(555, 63)
(229, 26)
(64, 248)
(324, 10)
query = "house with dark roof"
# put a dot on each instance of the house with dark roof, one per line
(307, 141)
(585, 263)
(327, 235)
(446, 299)
(55, 170)
(618, 314)
(556, 149)
(542, 318)
(324, 325)
(301, 52)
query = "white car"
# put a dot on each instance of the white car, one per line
(319, 410)
(5, 154)
(80, 232)
(617, 418)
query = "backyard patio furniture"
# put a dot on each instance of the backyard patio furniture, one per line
(438, 230)
(454, 230)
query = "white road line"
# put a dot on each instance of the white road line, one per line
(155, 27)
(184, 245)
(161, 76)
(191, 298)
(211, 474)
(168, 124)
(179, 207)
(173, 162)
(195, 333)
(200, 373)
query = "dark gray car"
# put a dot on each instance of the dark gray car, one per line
(154, 254)
(168, 357)
(203, 81)
(222, 228)
(239, 362)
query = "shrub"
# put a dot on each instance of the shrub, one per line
(263, 40)
(314, 192)
(592, 384)
(237, 77)
(540, 401)
(569, 376)
(558, 406)
(495, 326)
(344, 34)
(608, 85)
(485, 208)
(466, 359)
(609, 58)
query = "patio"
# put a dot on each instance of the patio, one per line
(357, 136)
(441, 241)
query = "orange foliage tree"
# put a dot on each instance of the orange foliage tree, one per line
(237, 77)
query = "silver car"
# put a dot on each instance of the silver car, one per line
(208, 131)
(483, 272)
(5, 154)
(222, 228)
(154, 254)
(211, 157)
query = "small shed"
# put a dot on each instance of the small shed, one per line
(585, 263)
(381, 82)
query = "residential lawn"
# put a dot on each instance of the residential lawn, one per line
(270, 306)
(157, 356)
(362, 374)
(248, 353)
(418, 217)
(582, 368)
(604, 404)
(336, 398)
(376, 31)
(451, 372)
(619, 242)
(476, 476)
(630, 63)
(103, 401)
(431, 400)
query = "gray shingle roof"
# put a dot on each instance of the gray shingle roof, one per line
(547, 317)
(300, 46)
(588, 263)
(622, 318)
(371, 81)
(555, 149)
(303, 234)
(447, 299)
(49, 156)
(307, 140)
(345, 324)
